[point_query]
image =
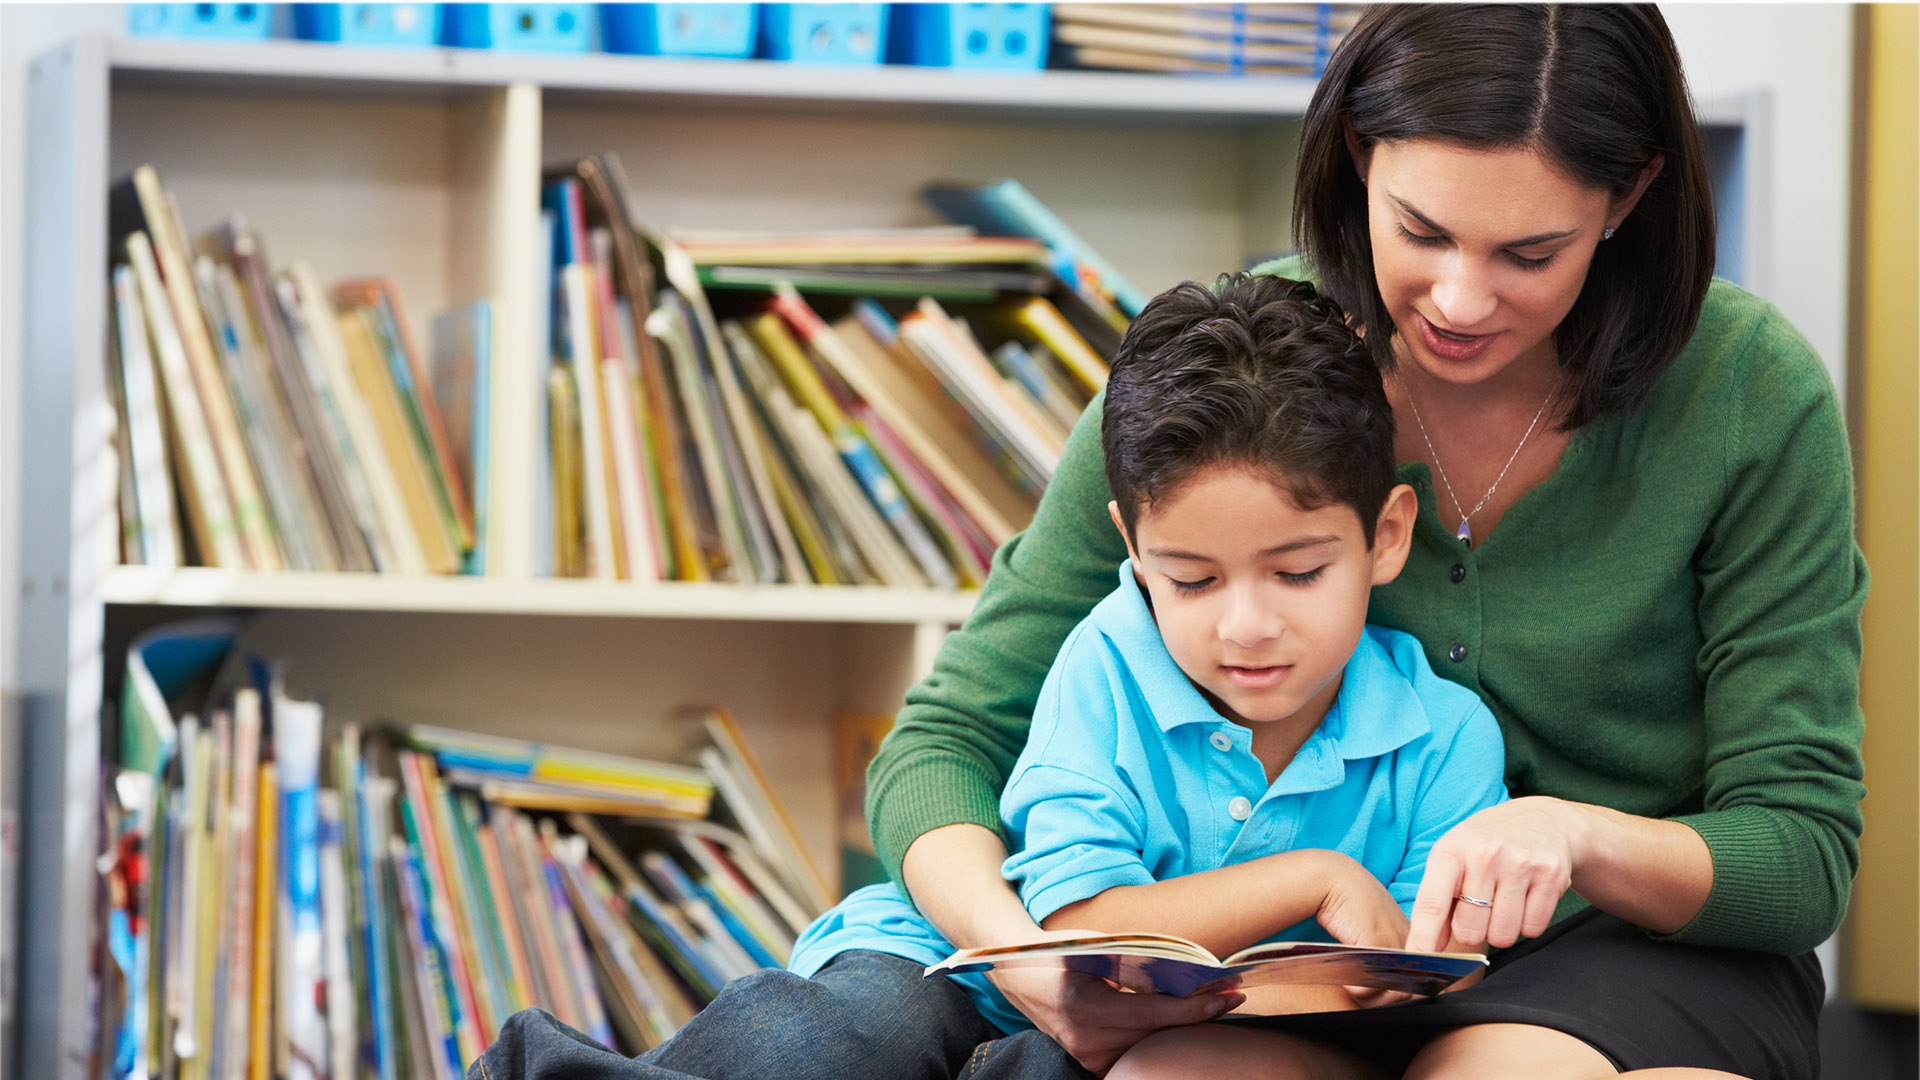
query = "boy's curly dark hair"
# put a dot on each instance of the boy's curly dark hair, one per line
(1258, 371)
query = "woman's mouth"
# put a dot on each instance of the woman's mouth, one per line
(1451, 346)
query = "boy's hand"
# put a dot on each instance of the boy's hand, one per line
(1091, 1018)
(1357, 909)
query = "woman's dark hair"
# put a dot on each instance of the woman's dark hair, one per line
(1596, 89)
(1260, 372)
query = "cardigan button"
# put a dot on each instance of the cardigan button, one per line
(1458, 574)
(1457, 653)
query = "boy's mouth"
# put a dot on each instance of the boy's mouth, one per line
(1256, 678)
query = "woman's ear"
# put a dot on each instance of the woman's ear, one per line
(1393, 533)
(1362, 157)
(1624, 204)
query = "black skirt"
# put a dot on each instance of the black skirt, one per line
(1641, 1002)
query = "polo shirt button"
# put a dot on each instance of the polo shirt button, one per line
(1220, 741)
(1239, 809)
(1458, 574)
(1457, 653)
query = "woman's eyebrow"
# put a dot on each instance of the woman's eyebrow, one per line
(1527, 241)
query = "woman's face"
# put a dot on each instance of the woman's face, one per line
(1478, 253)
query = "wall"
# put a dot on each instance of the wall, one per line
(1883, 933)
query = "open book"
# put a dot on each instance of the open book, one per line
(1176, 966)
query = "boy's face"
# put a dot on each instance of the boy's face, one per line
(1261, 603)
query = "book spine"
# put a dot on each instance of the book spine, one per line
(296, 740)
(266, 888)
(153, 490)
(342, 1035)
(209, 512)
(432, 960)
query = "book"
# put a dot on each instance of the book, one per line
(750, 795)
(461, 375)
(210, 514)
(1178, 967)
(1007, 208)
(412, 379)
(153, 486)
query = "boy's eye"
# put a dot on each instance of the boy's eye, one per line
(1307, 578)
(1188, 588)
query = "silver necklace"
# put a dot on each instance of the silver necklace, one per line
(1463, 532)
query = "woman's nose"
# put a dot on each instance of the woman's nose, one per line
(1463, 298)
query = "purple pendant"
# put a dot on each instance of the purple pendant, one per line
(1465, 534)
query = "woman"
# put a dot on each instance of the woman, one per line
(1634, 542)
(1658, 593)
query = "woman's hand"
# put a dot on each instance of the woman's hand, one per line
(1520, 856)
(1094, 1020)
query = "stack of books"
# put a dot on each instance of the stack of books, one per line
(379, 904)
(829, 408)
(1228, 39)
(293, 429)
(877, 407)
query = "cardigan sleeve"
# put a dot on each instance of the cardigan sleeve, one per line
(1781, 583)
(956, 739)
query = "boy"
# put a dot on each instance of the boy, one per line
(1223, 749)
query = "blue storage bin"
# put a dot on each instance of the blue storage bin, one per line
(545, 27)
(250, 22)
(823, 33)
(1004, 37)
(678, 29)
(368, 24)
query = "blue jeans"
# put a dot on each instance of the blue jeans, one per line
(865, 1014)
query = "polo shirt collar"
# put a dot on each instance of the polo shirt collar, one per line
(1372, 685)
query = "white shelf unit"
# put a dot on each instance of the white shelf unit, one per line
(420, 164)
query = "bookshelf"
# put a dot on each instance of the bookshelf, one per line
(425, 164)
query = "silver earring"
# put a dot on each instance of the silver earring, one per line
(1607, 233)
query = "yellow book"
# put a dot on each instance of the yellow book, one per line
(563, 401)
(366, 361)
(1039, 317)
(266, 883)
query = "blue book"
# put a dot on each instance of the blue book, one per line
(461, 376)
(440, 1000)
(1006, 208)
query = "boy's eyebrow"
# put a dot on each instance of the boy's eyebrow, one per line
(1525, 241)
(1296, 544)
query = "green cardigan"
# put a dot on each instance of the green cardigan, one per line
(1668, 624)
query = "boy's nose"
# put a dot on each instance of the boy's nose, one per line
(1248, 621)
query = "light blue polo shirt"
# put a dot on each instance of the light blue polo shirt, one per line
(1130, 777)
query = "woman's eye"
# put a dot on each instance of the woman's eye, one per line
(1188, 588)
(1307, 578)
(1525, 263)
(1418, 240)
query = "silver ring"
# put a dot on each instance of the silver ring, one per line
(1474, 900)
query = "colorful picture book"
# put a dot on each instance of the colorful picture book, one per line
(1171, 965)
